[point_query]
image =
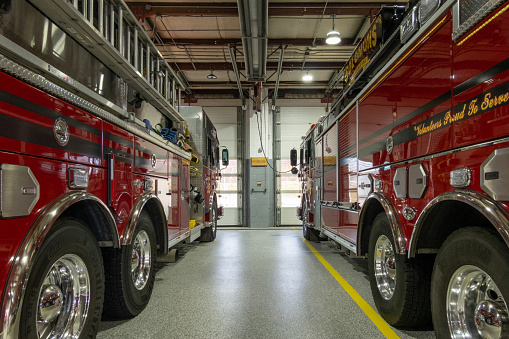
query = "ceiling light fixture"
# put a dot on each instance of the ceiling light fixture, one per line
(333, 36)
(307, 76)
(211, 75)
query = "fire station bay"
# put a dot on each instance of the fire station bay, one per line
(277, 169)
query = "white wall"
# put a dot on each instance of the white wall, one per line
(225, 121)
(295, 122)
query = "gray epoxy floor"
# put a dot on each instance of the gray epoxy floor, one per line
(255, 284)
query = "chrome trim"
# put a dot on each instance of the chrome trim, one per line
(81, 183)
(61, 131)
(10, 67)
(461, 177)
(364, 185)
(475, 305)
(141, 260)
(64, 299)
(135, 215)
(195, 232)
(426, 12)
(342, 206)
(489, 208)
(390, 211)
(417, 189)
(351, 247)
(385, 267)
(409, 25)
(19, 191)
(440, 154)
(495, 166)
(400, 182)
(409, 213)
(460, 29)
(23, 261)
(75, 24)
(180, 238)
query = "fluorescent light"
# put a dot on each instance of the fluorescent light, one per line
(333, 38)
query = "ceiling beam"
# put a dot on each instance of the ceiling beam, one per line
(229, 9)
(214, 93)
(271, 42)
(245, 84)
(226, 66)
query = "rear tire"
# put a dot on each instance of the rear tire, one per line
(306, 231)
(65, 290)
(400, 286)
(130, 272)
(470, 293)
(208, 234)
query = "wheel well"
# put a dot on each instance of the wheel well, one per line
(442, 220)
(94, 217)
(156, 214)
(372, 208)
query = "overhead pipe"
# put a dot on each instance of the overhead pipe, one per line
(254, 26)
(236, 70)
(279, 67)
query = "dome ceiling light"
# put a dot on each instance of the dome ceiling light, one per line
(333, 36)
(307, 76)
(211, 75)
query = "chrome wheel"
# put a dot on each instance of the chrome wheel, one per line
(64, 299)
(475, 306)
(213, 217)
(385, 267)
(141, 260)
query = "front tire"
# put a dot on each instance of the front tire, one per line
(470, 293)
(65, 290)
(400, 286)
(130, 272)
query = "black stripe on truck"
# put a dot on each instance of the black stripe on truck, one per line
(25, 131)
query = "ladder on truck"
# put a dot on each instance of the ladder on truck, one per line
(110, 31)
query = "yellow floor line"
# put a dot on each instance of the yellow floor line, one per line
(386, 330)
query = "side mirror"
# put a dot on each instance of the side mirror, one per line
(293, 157)
(301, 156)
(225, 157)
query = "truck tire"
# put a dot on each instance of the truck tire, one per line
(306, 232)
(208, 234)
(470, 293)
(400, 286)
(65, 290)
(130, 272)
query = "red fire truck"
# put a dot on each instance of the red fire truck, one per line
(90, 194)
(408, 167)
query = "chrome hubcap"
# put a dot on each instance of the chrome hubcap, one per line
(213, 219)
(475, 306)
(50, 303)
(385, 267)
(64, 299)
(141, 260)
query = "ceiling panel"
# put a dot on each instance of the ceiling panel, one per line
(196, 37)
